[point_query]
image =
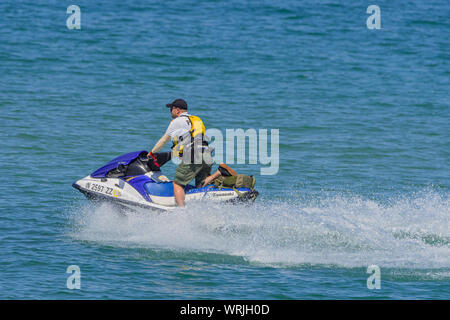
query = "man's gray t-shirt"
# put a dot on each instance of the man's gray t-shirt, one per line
(179, 126)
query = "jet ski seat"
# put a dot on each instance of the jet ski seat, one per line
(140, 166)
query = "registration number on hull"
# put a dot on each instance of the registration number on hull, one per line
(102, 189)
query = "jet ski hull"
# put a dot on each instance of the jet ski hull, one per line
(132, 181)
(124, 202)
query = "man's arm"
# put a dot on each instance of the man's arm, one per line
(161, 143)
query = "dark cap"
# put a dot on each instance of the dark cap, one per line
(178, 103)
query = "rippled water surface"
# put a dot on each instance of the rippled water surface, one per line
(364, 148)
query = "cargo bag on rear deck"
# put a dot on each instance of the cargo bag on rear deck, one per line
(237, 181)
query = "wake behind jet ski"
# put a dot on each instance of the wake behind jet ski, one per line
(134, 180)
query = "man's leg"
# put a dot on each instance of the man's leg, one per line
(202, 174)
(223, 170)
(210, 178)
(178, 192)
(183, 175)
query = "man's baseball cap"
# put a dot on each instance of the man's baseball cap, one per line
(178, 103)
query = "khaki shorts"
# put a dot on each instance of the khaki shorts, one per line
(186, 172)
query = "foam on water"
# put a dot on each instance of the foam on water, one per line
(345, 231)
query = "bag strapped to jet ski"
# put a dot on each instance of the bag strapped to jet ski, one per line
(235, 182)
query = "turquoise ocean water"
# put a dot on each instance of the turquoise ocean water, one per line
(364, 147)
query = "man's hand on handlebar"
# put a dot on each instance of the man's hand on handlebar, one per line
(153, 157)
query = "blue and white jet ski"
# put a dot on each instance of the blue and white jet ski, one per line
(134, 181)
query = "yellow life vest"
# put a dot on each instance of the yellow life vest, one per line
(197, 128)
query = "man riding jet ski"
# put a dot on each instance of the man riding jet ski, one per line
(135, 179)
(188, 135)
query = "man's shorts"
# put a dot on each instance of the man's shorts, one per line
(186, 172)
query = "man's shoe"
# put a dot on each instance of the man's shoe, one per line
(226, 171)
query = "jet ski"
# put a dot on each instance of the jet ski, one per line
(135, 181)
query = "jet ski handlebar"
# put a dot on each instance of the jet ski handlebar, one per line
(157, 159)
